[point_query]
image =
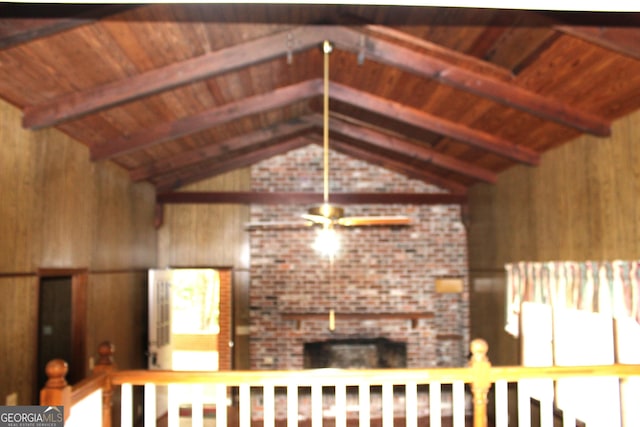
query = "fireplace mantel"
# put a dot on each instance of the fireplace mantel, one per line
(414, 317)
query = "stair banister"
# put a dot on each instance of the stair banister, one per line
(481, 382)
(106, 366)
(479, 375)
(56, 391)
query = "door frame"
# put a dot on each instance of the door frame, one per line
(226, 346)
(79, 280)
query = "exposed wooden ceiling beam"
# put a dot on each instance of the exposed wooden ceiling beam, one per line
(624, 40)
(161, 79)
(407, 148)
(185, 163)
(543, 45)
(168, 131)
(502, 92)
(278, 198)
(22, 24)
(190, 158)
(450, 55)
(397, 166)
(283, 96)
(484, 43)
(347, 95)
(225, 60)
(429, 122)
(228, 163)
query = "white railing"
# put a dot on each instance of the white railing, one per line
(479, 391)
(306, 396)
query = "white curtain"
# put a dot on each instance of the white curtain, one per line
(565, 312)
(611, 288)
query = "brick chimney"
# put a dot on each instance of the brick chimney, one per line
(381, 284)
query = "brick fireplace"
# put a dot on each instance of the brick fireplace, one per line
(381, 285)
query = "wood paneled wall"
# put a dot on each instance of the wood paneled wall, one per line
(18, 317)
(580, 203)
(59, 210)
(117, 311)
(206, 235)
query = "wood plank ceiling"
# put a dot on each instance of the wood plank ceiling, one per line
(178, 93)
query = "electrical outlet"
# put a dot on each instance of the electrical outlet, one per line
(12, 399)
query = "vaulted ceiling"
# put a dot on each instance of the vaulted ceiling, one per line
(178, 93)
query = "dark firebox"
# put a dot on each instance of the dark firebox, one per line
(355, 353)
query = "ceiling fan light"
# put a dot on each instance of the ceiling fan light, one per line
(327, 242)
(328, 211)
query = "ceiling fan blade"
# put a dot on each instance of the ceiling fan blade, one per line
(354, 221)
(277, 225)
(317, 219)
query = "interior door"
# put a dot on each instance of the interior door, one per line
(54, 338)
(184, 313)
(62, 323)
(159, 349)
(159, 325)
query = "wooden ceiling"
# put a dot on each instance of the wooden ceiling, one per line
(178, 93)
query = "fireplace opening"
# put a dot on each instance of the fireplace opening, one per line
(355, 353)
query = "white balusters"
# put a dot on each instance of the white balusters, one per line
(198, 389)
(524, 405)
(221, 405)
(245, 405)
(502, 403)
(458, 403)
(546, 411)
(364, 401)
(126, 405)
(197, 405)
(268, 404)
(411, 402)
(292, 405)
(387, 404)
(341, 405)
(316, 405)
(435, 404)
(173, 408)
(150, 405)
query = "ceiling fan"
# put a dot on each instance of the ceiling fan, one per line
(327, 214)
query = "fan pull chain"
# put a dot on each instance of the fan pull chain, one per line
(326, 48)
(332, 299)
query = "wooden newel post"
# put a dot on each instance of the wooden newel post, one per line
(106, 365)
(481, 384)
(56, 391)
